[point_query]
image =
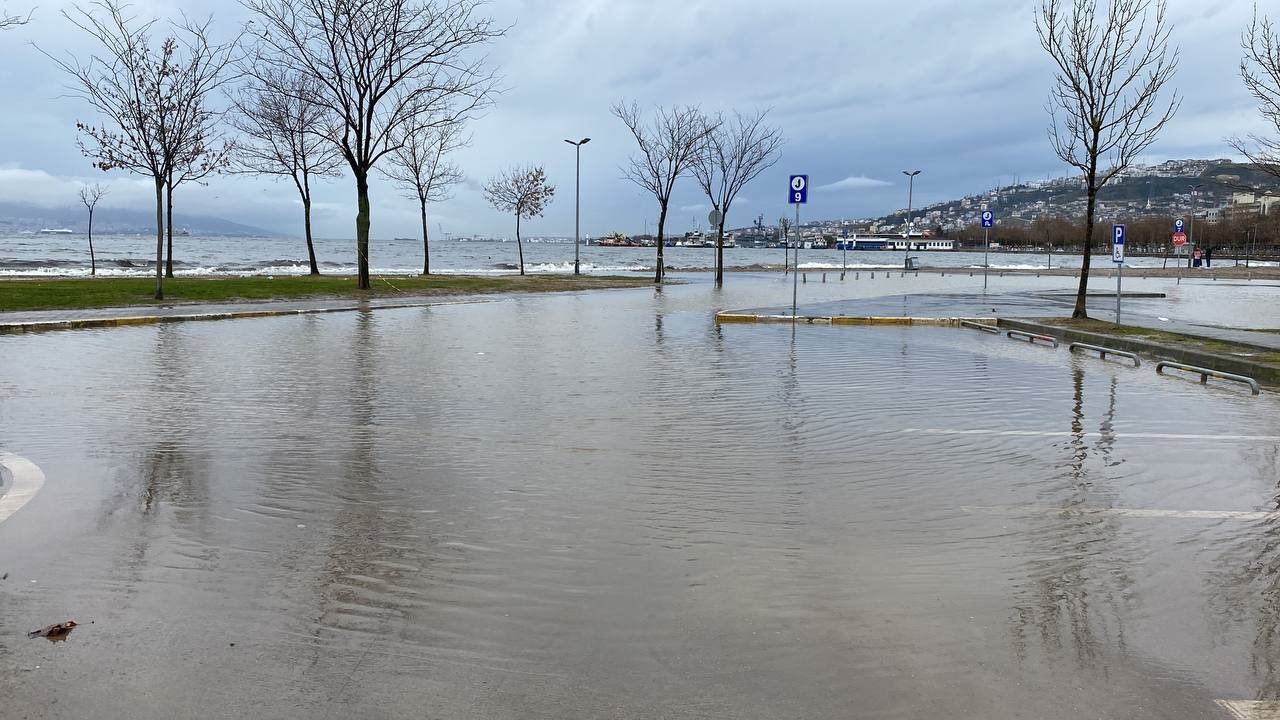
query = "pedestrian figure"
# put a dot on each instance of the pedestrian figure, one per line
(1195, 258)
(1208, 257)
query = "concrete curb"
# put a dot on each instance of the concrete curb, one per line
(730, 317)
(1264, 373)
(105, 322)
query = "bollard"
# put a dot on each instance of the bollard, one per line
(824, 277)
(917, 273)
(857, 275)
(873, 276)
(805, 277)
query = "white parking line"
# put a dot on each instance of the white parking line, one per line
(28, 478)
(1128, 512)
(1251, 709)
(1068, 433)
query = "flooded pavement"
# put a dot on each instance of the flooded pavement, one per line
(604, 505)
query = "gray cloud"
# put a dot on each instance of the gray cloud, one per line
(954, 89)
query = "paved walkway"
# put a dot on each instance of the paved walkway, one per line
(35, 320)
(1021, 305)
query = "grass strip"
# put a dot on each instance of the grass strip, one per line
(103, 292)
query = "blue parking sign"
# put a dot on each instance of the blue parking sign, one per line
(1117, 243)
(799, 190)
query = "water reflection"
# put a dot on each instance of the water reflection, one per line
(1244, 589)
(1077, 593)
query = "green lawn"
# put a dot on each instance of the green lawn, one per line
(76, 293)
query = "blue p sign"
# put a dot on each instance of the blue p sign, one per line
(799, 193)
(1117, 243)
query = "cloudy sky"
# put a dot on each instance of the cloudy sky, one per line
(861, 88)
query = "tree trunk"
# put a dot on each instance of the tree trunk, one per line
(362, 231)
(159, 237)
(1081, 312)
(662, 223)
(93, 264)
(720, 252)
(426, 247)
(306, 224)
(519, 246)
(168, 262)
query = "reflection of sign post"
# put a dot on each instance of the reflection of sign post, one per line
(797, 195)
(1117, 257)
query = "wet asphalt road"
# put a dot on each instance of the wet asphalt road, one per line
(602, 505)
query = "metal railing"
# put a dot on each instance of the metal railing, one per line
(980, 326)
(1206, 373)
(1104, 352)
(1032, 337)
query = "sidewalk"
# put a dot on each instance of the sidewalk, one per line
(39, 320)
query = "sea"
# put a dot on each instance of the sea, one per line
(126, 255)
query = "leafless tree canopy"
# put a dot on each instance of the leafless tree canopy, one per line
(379, 67)
(277, 131)
(1260, 69)
(8, 21)
(668, 147)
(734, 153)
(1105, 105)
(91, 194)
(420, 166)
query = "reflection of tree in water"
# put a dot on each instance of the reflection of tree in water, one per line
(361, 575)
(1076, 594)
(1245, 587)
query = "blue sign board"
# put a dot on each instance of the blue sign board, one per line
(1117, 243)
(799, 192)
(1178, 225)
(988, 218)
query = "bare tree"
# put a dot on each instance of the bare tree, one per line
(8, 21)
(732, 155)
(90, 195)
(1260, 69)
(668, 147)
(419, 167)
(151, 100)
(523, 191)
(279, 140)
(379, 66)
(1105, 105)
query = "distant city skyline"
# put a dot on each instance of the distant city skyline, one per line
(861, 90)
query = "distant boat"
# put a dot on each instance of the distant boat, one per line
(184, 233)
(59, 231)
(405, 239)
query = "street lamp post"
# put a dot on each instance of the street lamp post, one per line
(577, 199)
(911, 180)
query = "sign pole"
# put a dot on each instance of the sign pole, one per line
(986, 255)
(988, 219)
(797, 194)
(1117, 257)
(795, 276)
